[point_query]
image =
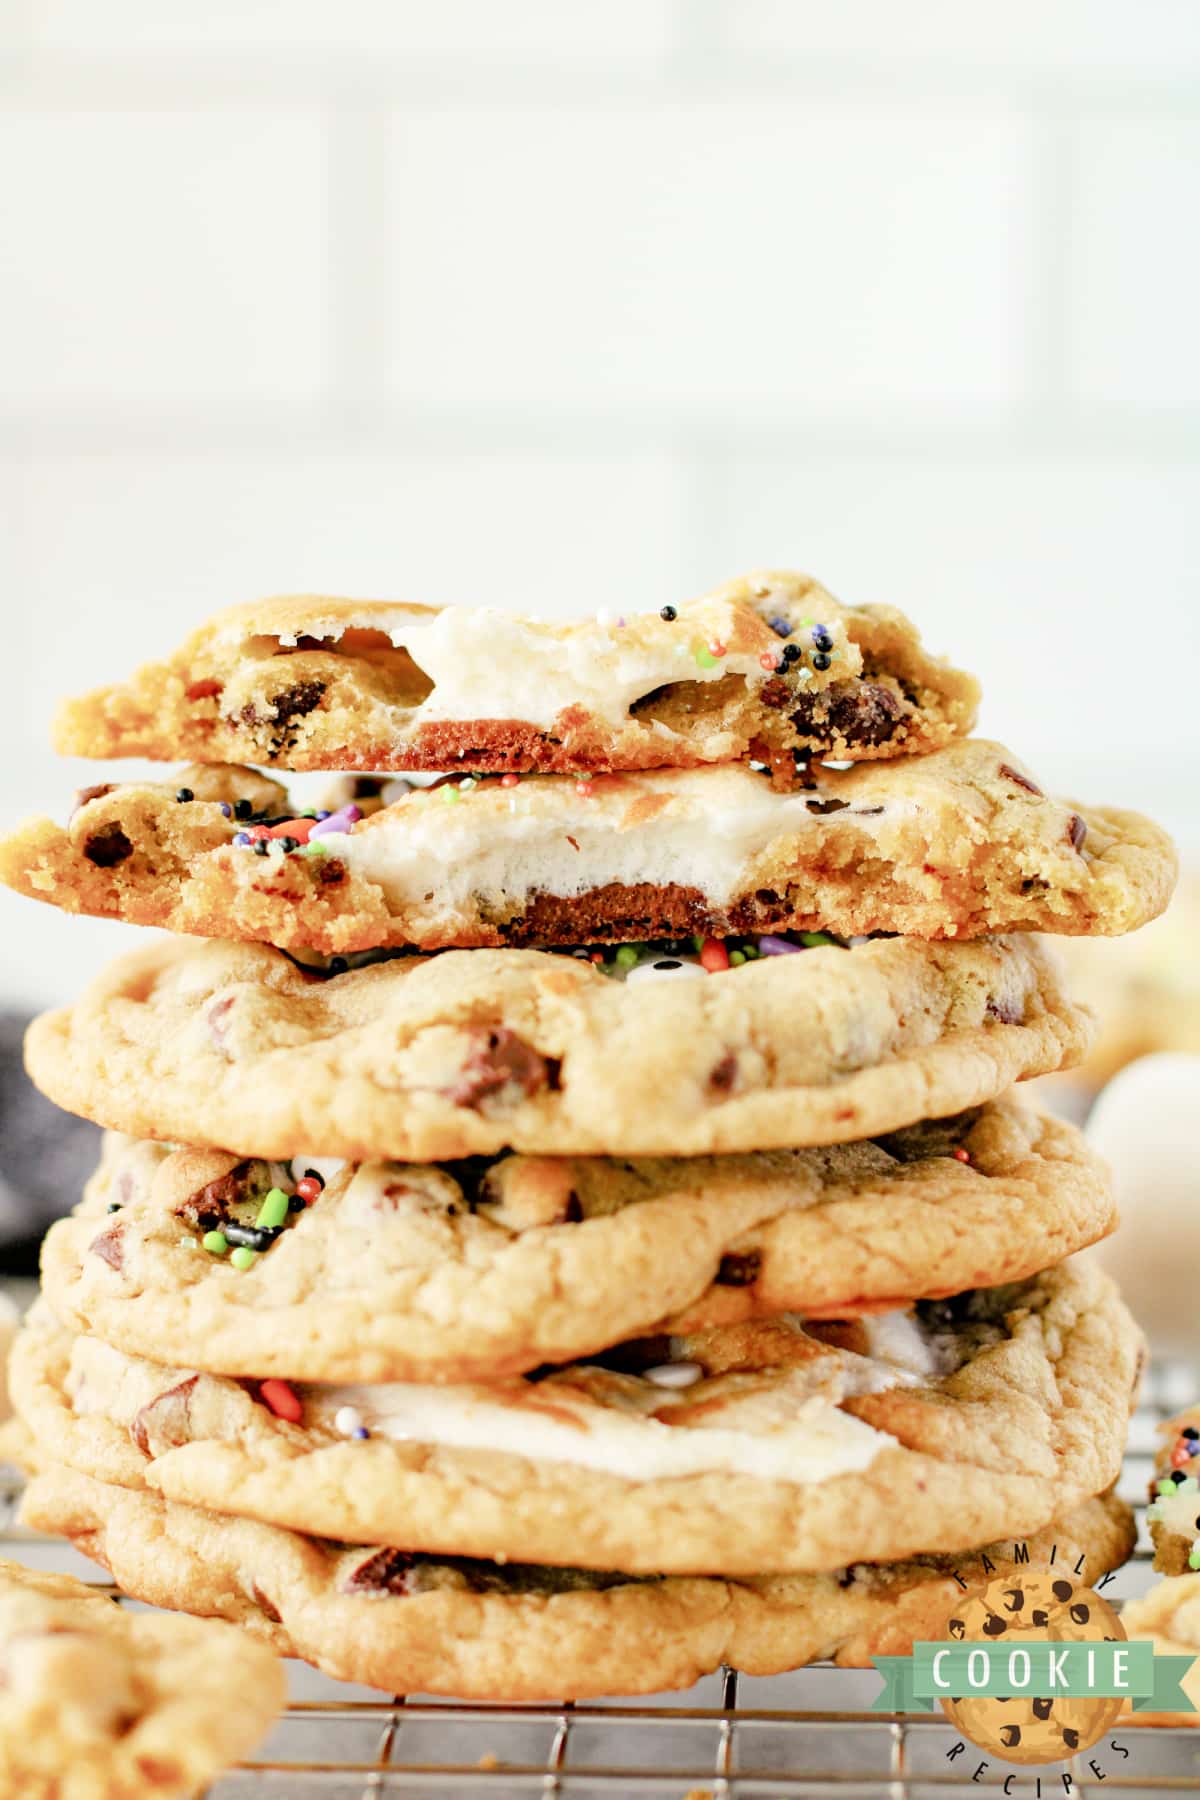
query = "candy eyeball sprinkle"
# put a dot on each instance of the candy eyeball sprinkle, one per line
(665, 968)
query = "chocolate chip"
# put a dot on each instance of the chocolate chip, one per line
(330, 872)
(266, 1607)
(1062, 1590)
(110, 1246)
(724, 1074)
(827, 806)
(107, 846)
(1081, 1613)
(168, 1416)
(384, 1572)
(1070, 1737)
(1042, 1708)
(499, 1059)
(867, 714)
(994, 1626)
(1010, 1736)
(739, 1270)
(295, 702)
(1031, 787)
(1076, 831)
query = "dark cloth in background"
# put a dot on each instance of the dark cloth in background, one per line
(46, 1155)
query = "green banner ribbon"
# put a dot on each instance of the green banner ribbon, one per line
(1040, 1670)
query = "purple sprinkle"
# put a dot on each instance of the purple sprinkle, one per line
(780, 626)
(360, 1431)
(241, 839)
(338, 821)
(777, 946)
(620, 624)
(323, 813)
(226, 809)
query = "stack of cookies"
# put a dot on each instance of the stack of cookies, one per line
(566, 1223)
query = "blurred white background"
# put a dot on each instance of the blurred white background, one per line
(568, 303)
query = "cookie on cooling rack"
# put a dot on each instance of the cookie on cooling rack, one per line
(402, 1271)
(481, 1630)
(956, 844)
(1169, 1615)
(774, 1444)
(98, 1703)
(770, 664)
(474, 1051)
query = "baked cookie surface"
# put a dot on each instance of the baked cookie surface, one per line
(1169, 1615)
(769, 1445)
(479, 1630)
(98, 1703)
(400, 1271)
(770, 664)
(474, 1051)
(959, 843)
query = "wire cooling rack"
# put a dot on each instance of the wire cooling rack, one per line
(729, 1738)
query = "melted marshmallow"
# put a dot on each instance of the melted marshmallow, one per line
(665, 830)
(819, 1442)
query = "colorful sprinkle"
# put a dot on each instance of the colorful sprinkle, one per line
(273, 1211)
(736, 958)
(713, 955)
(225, 808)
(185, 794)
(812, 939)
(243, 1257)
(705, 657)
(777, 946)
(792, 653)
(961, 1155)
(585, 789)
(343, 820)
(450, 796)
(820, 660)
(627, 955)
(309, 1189)
(769, 661)
(215, 1242)
(311, 849)
(822, 638)
(242, 840)
(668, 613)
(510, 781)
(281, 1400)
(349, 1422)
(780, 626)
(1182, 1453)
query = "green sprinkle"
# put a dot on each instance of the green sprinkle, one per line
(698, 944)
(736, 958)
(627, 956)
(313, 848)
(273, 1211)
(450, 795)
(243, 1257)
(810, 939)
(705, 658)
(310, 812)
(215, 1243)
(752, 952)
(1194, 1558)
(1166, 1487)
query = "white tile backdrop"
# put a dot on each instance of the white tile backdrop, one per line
(553, 301)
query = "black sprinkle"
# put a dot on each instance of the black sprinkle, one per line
(253, 1237)
(821, 661)
(262, 846)
(338, 965)
(792, 653)
(242, 809)
(288, 844)
(296, 1204)
(1189, 1431)
(113, 1206)
(185, 794)
(668, 613)
(668, 962)
(821, 638)
(314, 1175)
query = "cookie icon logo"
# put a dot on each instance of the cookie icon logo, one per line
(1016, 1610)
